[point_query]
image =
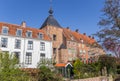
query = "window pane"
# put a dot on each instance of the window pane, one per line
(42, 46)
(28, 59)
(19, 32)
(5, 30)
(4, 42)
(42, 55)
(54, 50)
(17, 44)
(54, 37)
(29, 34)
(17, 55)
(30, 45)
(40, 36)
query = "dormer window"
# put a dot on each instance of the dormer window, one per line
(82, 41)
(5, 30)
(19, 32)
(72, 38)
(40, 35)
(29, 33)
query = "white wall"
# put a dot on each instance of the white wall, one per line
(35, 52)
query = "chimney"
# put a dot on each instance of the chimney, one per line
(77, 30)
(68, 28)
(84, 33)
(89, 36)
(23, 24)
(93, 37)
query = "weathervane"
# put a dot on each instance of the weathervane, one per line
(51, 10)
(50, 3)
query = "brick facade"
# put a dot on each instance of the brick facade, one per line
(76, 45)
(51, 31)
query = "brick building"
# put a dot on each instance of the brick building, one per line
(69, 45)
(50, 41)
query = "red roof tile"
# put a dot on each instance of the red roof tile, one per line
(77, 36)
(13, 28)
(68, 34)
(63, 65)
(60, 65)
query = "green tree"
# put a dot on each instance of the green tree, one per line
(107, 62)
(109, 33)
(77, 68)
(45, 74)
(8, 69)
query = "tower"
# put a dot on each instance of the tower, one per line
(55, 32)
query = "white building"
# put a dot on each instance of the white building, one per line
(28, 44)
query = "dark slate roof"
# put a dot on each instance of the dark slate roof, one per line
(50, 21)
(62, 46)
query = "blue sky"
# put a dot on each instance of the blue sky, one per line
(76, 14)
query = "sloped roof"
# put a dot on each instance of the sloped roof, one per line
(62, 65)
(50, 21)
(68, 34)
(62, 46)
(13, 28)
(76, 36)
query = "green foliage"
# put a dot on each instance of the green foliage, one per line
(109, 62)
(45, 74)
(8, 69)
(77, 68)
(86, 70)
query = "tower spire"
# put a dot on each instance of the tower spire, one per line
(51, 10)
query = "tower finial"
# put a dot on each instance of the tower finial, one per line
(51, 10)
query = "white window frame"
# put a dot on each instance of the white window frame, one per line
(42, 46)
(30, 46)
(2, 42)
(16, 43)
(40, 35)
(27, 34)
(28, 58)
(17, 32)
(3, 29)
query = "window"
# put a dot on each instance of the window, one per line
(84, 60)
(28, 59)
(17, 44)
(19, 32)
(29, 33)
(82, 41)
(40, 36)
(54, 50)
(42, 55)
(5, 30)
(54, 37)
(73, 43)
(84, 51)
(4, 42)
(69, 51)
(17, 55)
(42, 58)
(42, 46)
(30, 45)
(81, 51)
